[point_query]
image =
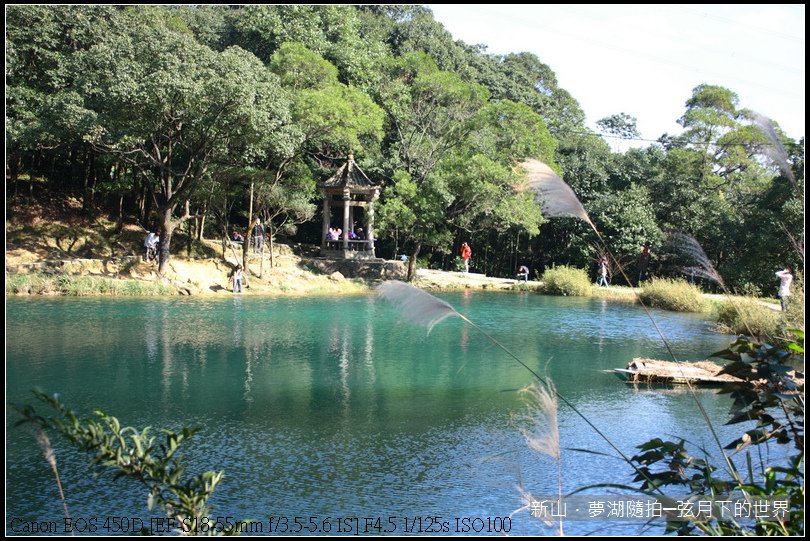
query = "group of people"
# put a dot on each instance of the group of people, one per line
(466, 254)
(336, 233)
(258, 236)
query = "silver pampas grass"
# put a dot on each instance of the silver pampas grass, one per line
(775, 151)
(688, 246)
(417, 306)
(556, 198)
(541, 430)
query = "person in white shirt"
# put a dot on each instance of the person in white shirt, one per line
(150, 244)
(785, 279)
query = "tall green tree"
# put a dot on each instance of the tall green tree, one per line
(194, 107)
(431, 113)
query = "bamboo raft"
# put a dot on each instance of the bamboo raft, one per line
(654, 371)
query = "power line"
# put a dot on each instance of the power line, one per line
(639, 139)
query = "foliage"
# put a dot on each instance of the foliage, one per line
(229, 96)
(566, 280)
(626, 220)
(672, 294)
(794, 316)
(82, 286)
(621, 125)
(748, 317)
(771, 396)
(137, 455)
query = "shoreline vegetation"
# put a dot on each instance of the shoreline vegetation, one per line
(295, 276)
(48, 256)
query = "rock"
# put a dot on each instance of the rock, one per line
(336, 277)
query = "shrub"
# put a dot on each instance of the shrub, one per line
(566, 280)
(674, 295)
(748, 317)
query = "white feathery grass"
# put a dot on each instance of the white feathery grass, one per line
(556, 198)
(417, 306)
(689, 246)
(775, 151)
(542, 432)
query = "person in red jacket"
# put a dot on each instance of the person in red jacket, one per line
(466, 253)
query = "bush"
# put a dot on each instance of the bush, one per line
(748, 317)
(566, 281)
(674, 295)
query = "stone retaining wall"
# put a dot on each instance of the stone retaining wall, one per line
(375, 269)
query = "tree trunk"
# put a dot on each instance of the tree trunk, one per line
(412, 262)
(248, 236)
(201, 223)
(272, 260)
(166, 230)
(88, 172)
(189, 242)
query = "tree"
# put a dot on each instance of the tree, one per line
(195, 107)
(622, 126)
(330, 119)
(431, 112)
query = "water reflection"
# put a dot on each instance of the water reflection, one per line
(331, 406)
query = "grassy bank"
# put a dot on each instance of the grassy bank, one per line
(83, 286)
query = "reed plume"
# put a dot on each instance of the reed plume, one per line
(417, 306)
(688, 246)
(541, 429)
(50, 457)
(556, 198)
(775, 151)
(542, 432)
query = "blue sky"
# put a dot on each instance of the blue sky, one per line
(645, 60)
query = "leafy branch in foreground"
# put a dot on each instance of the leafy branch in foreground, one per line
(771, 392)
(136, 455)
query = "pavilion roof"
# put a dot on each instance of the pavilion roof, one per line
(349, 175)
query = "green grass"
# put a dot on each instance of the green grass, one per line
(82, 286)
(673, 295)
(615, 293)
(746, 316)
(566, 280)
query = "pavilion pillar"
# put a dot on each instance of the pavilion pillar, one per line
(346, 200)
(327, 218)
(370, 224)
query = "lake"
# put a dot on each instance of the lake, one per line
(334, 407)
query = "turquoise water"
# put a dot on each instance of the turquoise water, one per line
(333, 407)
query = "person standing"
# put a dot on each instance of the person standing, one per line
(150, 243)
(785, 279)
(237, 279)
(603, 272)
(466, 254)
(258, 236)
(643, 262)
(523, 272)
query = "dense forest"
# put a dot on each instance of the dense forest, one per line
(203, 118)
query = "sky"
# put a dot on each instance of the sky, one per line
(646, 60)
